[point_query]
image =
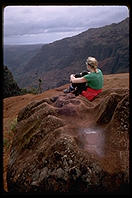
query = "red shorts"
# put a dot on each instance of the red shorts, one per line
(91, 93)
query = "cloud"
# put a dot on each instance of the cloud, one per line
(51, 21)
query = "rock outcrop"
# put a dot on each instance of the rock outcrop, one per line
(69, 144)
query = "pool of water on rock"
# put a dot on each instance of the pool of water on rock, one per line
(92, 140)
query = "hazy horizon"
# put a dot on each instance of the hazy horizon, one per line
(27, 25)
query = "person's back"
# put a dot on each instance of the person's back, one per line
(94, 80)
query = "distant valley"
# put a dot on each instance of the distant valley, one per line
(54, 62)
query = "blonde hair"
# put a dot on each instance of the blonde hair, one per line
(92, 62)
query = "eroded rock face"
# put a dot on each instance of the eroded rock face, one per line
(69, 144)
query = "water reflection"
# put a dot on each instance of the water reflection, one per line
(92, 140)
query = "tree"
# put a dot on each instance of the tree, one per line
(10, 87)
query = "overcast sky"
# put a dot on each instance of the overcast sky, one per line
(45, 24)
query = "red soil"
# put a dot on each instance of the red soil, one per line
(12, 105)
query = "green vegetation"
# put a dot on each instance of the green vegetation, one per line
(13, 125)
(8, 140)
(32, 90)
(10, 87)
(6, 143)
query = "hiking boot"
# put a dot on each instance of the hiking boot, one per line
(69, 90)
(66, 91)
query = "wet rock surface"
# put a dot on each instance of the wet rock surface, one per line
(69, 144)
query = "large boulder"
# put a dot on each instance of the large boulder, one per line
(69, 144)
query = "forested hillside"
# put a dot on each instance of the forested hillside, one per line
(10, 87)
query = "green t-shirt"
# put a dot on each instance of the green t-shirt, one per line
(95, 80)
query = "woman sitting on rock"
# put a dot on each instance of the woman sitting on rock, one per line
(92, 81)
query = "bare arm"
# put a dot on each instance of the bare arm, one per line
(77, 80)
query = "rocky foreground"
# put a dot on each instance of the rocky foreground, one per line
(69, 144)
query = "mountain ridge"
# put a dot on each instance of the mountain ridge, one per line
(54, 62)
